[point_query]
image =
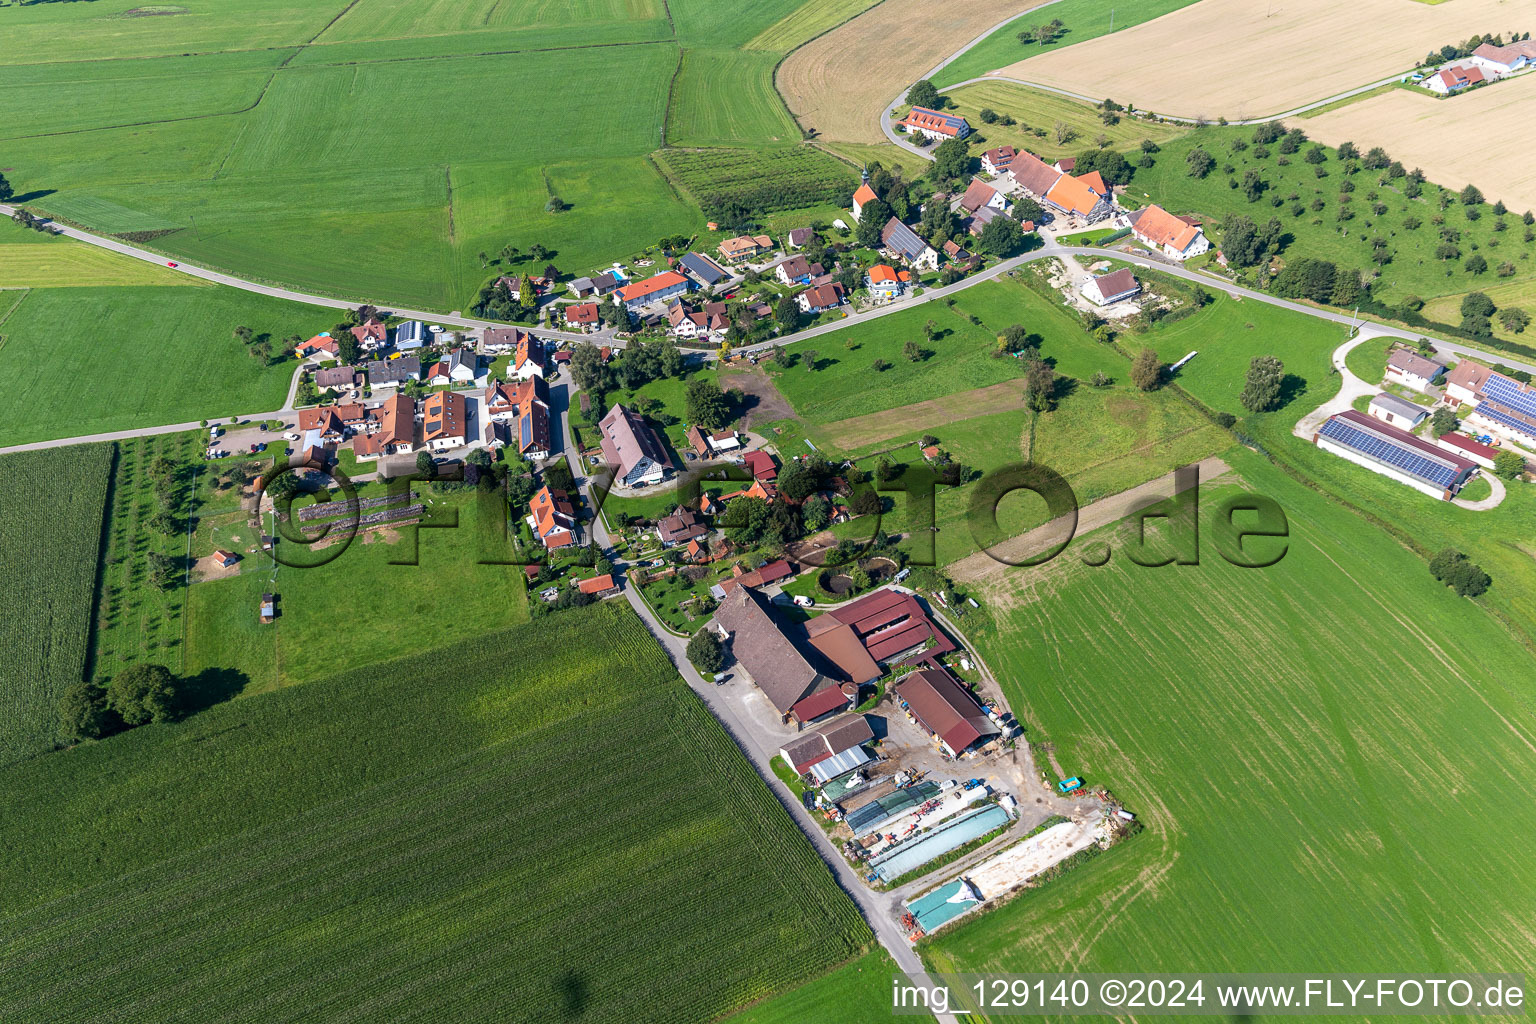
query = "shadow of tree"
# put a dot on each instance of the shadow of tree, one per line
(209, 687)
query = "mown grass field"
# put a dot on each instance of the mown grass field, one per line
(858, 992)
(1319, 746)
(844, 384)
(362, 606)
(726, 97)
(1413, 268)
(561, 833)
(92, 359)
(807, 21)
(64, 264)
(1082, 18)
(51, 505)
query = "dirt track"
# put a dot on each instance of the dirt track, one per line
(858, 431)
(840, 83)
(1265, 57)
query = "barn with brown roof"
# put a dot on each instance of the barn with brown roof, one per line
(947, 710)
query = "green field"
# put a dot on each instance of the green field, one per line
(805, 23)
(50, 529)
(92, 359)
(1083, 19)
(1312, 750)
(64, 264)
(364, 152)
(1038, 113)
(858, 992)
(542, 825)
(358, 608)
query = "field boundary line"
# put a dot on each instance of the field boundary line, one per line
(802, 43)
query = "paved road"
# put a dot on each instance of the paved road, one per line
(884, 925)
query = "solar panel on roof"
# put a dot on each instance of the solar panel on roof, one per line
(1392, 453)
(1510, 393)
(1501, 415)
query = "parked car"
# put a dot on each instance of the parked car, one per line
(290, 437)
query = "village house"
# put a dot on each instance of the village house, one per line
(338, 378)
(523, 408)
(460, 367)
(394, 431)
(371, 335)
(410, 335)
(322, 425)
(636, 454)
(1397, 411)
(685, 322)
(320, 346)
(979, 194)
(1412, 370)
(995, 161)
(1103, 289)
(1178, 237)
(861, 197)
(498, 341)
(884, 283)
(742, 247)
(1455, 78)
(956, 253)
(583, 316)
(391, 373)
(528, 357)
(900, 242)
(680, 527)
(799, 238)
(796, 270)
(444, 419)
(552, 518)
(821, 298)
(935, 124)
(598, 586)
(1086, 197)
(659, 288)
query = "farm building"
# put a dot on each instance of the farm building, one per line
(763, 650)
(935, 124)
(1464, 446)
(659, 288)
(1086, 197)
(1504, 405)
(267, 610)
(1455, 78)
(1394, 453)
(1102, 289)
(553, 518)
(1412, 370)
(638, 456)
(763, 576)
(949, 711)
(224, 559)
(1504, 60)
(703, 269)
(832, 750)
(902, 242)
(1397, 411)
(892, 626)
(1177, 237)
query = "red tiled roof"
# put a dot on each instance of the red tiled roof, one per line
(652, 285)
(596, 585)
(864, 195)
(819, 703)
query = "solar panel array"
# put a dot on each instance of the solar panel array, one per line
(1497, 413)
(1393, 453)
(1509, 392)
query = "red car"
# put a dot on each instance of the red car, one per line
(172, 264)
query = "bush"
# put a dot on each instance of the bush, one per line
(706, 652)
(1452, 568)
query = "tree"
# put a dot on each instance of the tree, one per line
(1101, 379)
(938, 224)
(1452, 568)
(1514, 319)
(1146, 370)
(872, 220)
(1063, 133)
(913, 351)
(1476, 264)
(1039, 385)
(865, 502)
(1026, 209)
(1375, 159)
(1246, 245)
(143, 693)
(1254, 185)
(1261, 392)
(706, 652)
(705, 405)
(1443, 422)
(1470, 196)
(816, 513)
(7, 193)
(786, 314)
(1001, 237)
(555, 205)
(1347, 151)
(83, 712)
(1268, 133)
(987, 115)
(810, 356)
(347, 351)
(1199, 162)
(1112, 166)
(425, 466)
(950, 160)
(1316, 155)
(923, 94)
(1508, 465)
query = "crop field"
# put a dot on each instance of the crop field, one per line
(843, 385)
(361, 607)
(51, 505)
(497, 860)
(1407, 226)
(1440, 137)
(145, 356)
(1304, 750)
(135, 621)
(840, 83)
(858, 992)
(1083, 19)
(807, 21)
(485, 21)
(725, 98)
(1266, 59)
(787, 177)
(1039, 111)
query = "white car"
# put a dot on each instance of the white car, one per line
(290, 437)
(804, 601)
